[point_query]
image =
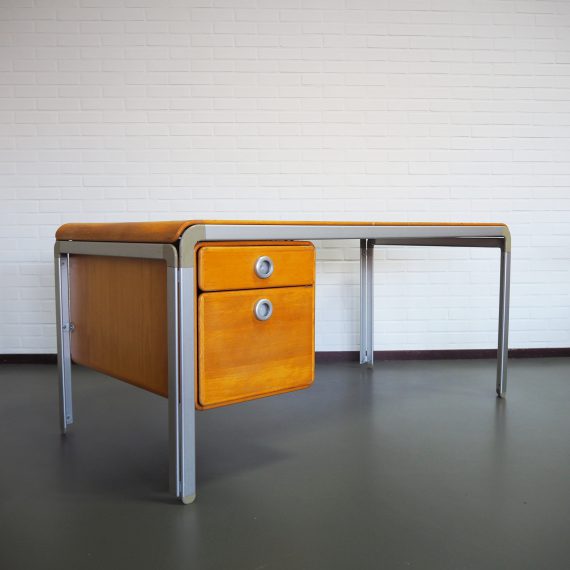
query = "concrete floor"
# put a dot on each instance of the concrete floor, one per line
(416, 465)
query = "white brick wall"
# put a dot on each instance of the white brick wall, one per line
(450, 110)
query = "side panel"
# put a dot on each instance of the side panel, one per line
(118, 308)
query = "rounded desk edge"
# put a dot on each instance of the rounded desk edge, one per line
(171, 231)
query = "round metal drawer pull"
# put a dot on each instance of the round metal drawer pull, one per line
(263, 309)
(264, 267)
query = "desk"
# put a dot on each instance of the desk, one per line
(174, 244)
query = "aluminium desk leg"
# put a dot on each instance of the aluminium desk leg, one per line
(503, 349)
(367, 302)
(172, 301)
(63, 339)
(181, 388)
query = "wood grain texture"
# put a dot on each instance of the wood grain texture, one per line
(170, 231)
(140, 232)
(231, 266)
(241, 358)
(118, 307)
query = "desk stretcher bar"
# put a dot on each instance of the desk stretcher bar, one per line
(175, 243)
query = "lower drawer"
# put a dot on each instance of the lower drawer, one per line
(243, 355)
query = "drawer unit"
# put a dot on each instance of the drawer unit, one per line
(255, 320)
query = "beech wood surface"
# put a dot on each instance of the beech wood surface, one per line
(170, 231)
(231, 265)
(118, 307)
(241, 358)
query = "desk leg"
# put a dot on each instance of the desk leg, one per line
(172, 296)
(63, 339)
(367, 302)
(181, 384)
(504, 301)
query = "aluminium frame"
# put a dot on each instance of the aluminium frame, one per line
(181, 298)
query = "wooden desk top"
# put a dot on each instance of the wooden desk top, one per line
(171, 231)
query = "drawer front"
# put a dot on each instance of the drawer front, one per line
(242, 356)
(229, 267)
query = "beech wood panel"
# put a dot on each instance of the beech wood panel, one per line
(241, 358)
(232, 266)
(118, 307)
(170, 231)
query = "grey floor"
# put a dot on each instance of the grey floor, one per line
(416, 465)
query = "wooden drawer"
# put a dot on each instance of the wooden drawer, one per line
(227, 266)
(241, 357)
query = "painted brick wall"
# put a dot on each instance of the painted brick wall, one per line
(450, 110)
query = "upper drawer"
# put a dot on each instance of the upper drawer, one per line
(224, 266)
